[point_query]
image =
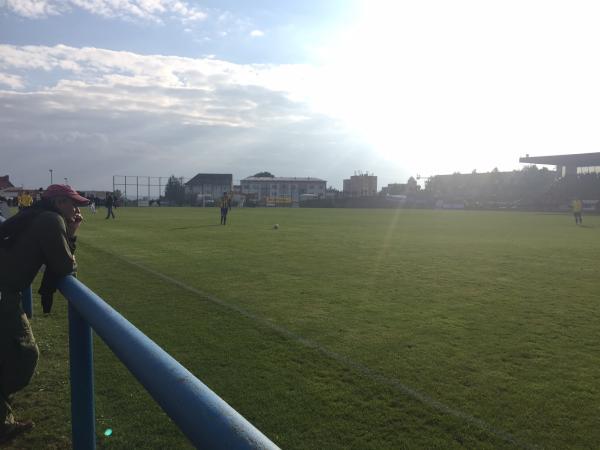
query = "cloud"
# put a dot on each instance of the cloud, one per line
(140, 10)
(257, 33)
(125, 80)
(33, 9)
(12, 81)
(104, 112)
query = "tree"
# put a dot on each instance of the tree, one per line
(175, 191)
(265, 175)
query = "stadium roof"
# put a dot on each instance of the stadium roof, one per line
(285, 179)
(576, 160)
(211, 178)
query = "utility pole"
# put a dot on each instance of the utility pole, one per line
(50, 176)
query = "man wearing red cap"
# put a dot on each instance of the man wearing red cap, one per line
(41, 234)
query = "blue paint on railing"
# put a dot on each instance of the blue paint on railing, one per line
(206, 419)
(83, 416)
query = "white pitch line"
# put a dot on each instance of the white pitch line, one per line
(362, 369)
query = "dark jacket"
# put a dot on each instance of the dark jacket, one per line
(27, 242)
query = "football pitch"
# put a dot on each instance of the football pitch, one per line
(344, 328)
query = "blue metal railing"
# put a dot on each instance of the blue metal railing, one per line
(207, 420)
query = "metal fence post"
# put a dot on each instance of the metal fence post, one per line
(83, 418)
(27, 302)
(206, 419)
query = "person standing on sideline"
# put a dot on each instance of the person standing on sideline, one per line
(577, 207)
(225, 204)
(26, 200)
(110, 203)
(42, 234)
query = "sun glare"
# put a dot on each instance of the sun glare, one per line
(359, 79)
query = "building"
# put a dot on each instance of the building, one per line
(360, 185)
(11, 193)
(5, 183)
(208, 187)
(283, 191)
(8, 190)
(410, 187)
(394, 189)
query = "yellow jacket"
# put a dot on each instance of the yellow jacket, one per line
(25, 200)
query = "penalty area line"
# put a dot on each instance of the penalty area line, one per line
(364, 370)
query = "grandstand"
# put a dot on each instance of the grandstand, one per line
(575, 175)
(566, 165)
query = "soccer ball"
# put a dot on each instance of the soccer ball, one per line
(276, 226)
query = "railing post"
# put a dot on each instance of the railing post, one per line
(83, 418)
(27, 302)
(206, 419)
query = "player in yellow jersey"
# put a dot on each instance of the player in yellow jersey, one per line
(577, 207)
(225, 204)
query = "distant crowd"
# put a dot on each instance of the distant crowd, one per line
(26, 199)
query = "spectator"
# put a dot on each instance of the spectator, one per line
(42, 234)
(110, 203)
(25, 200)
(38, 195)
(577, 208)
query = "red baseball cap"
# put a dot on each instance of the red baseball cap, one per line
(64, 190)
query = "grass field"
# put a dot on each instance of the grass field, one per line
(344, 329)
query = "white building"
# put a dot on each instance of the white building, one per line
(283, 190)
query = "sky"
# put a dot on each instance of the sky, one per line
(319, 88)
